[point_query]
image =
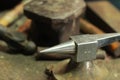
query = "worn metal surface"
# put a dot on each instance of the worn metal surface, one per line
(84, 47)
(104, 15)
(96, 70)
(55, 9)
(54, 20)
(19, 67)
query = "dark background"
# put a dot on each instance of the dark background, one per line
(8, 4)
(116, 3)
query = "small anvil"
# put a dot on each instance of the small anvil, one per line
(84, 47)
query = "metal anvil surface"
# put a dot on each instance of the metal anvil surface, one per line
(17, 67)
(84, 47)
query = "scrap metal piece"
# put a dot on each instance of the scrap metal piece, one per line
(85, 46)
(53, 21)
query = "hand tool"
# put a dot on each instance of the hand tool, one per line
(84, 47)
(89, 28)
(53, 21)
(17, 41)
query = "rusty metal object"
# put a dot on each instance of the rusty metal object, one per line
(25, 27)
(104, 15)
(88, 27)
(54, 20)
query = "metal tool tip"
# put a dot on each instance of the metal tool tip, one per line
(67, 47)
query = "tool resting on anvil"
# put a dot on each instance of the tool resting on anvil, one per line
(84, 47)
(17, 41)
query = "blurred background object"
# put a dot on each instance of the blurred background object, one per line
(8, 4)
(115, 3)
(54, 21)
(8, 18)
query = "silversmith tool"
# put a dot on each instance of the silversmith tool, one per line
(84, 47)
(89, 28)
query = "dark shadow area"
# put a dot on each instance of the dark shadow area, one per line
(8, 4)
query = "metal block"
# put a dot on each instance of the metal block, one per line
(86, 48)
(54, 20)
